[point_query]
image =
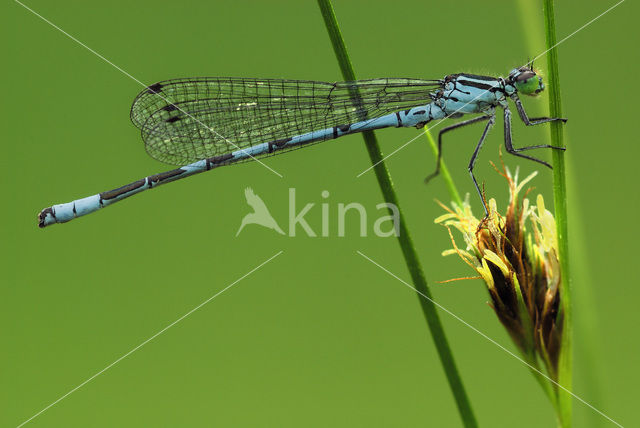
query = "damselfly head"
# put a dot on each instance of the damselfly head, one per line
(526, 81)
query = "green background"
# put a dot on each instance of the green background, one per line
(319, 336)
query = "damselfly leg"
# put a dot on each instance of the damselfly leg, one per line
(445, 130)
(535, 120)
(508, 142)
(472, 162)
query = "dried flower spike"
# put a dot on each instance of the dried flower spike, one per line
(520, 268)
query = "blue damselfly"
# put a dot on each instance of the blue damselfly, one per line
(205, 123)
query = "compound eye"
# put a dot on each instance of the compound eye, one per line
(524, 76)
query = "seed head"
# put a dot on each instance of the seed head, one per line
(520, 267)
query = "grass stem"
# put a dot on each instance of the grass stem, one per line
(404, 238)
(560, 203)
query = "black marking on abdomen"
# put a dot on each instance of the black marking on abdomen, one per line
(419, 112)
(42, 215)
(399, 119)
(156, 178)
(335, 132)
(276, 144)
(217, 160)
(154, 89)
(74, 209)
(173, 119)
(110, 194)
(344, 128)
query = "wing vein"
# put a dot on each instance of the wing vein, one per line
(175, 116)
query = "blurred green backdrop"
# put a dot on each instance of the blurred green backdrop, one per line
(319, 336)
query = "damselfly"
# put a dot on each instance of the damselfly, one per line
(205, 123)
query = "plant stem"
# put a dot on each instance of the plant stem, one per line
(544, 383)
(404, 238)
(560, 203)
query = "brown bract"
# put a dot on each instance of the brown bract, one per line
(519, 266)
